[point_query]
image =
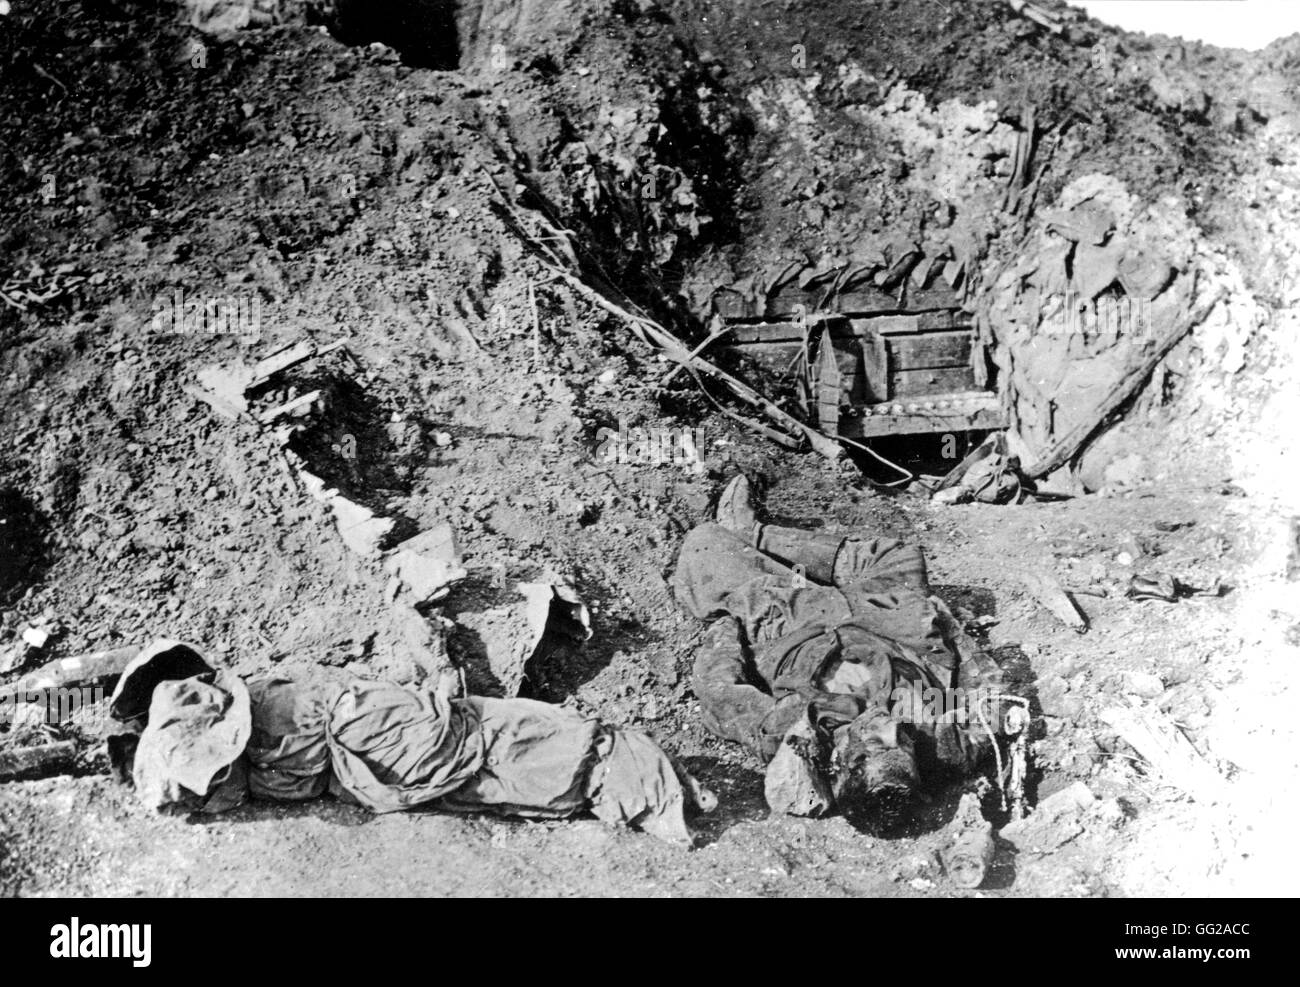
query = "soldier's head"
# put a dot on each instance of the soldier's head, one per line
(873, 765)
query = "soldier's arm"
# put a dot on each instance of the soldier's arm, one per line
(733, 706)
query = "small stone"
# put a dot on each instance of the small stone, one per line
(1144, 685)
(35, 637)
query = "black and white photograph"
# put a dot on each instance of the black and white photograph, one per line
(650, 449)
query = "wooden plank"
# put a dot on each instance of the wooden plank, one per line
(888, 324)
(930, 350)
(731, 305)
(937, 297)
(773, 359)
(830, 388)
(36, 762)
(80, 670)
(777, 332)
(271, 414)
(875, 369)
(862, 302)
(873, 426)
(1046, 589)
(788, 304)
(945, 319)
(282, 359)
(937, 380)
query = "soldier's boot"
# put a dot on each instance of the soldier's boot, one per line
(736, 510)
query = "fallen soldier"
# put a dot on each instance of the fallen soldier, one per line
(813, 638)
(207, 739)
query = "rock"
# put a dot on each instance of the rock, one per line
(1054, 822)
(360, 529)
(13, 659)
(35, 638)
(1127, 471)
(1144, 685)
(428, 564)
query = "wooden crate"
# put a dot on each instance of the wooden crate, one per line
(869, 374)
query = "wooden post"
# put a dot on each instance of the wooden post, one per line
(36, 762)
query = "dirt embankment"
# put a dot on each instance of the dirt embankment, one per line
(350, 194)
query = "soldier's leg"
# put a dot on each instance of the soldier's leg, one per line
(714, 563)
(845, 559)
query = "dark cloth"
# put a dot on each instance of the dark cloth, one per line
(776, 637)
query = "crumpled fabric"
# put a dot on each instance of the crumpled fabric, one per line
(393, 748)
(190, 753)
(1089, 223)
(536, 762)
(163, 660)
(380, 745)
(634, 783)
(992, 480)
(1096, 267)
(288, 755)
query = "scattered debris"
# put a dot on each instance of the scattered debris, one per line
(991, 479)
(1167, 588)
(969, 850)
(35, 638)
(1047, 590)
(1168, 751)
(1037, 14)
(1144, 685)
(31, 643)
(40, 287)
(298, 407)
(1160, 587)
